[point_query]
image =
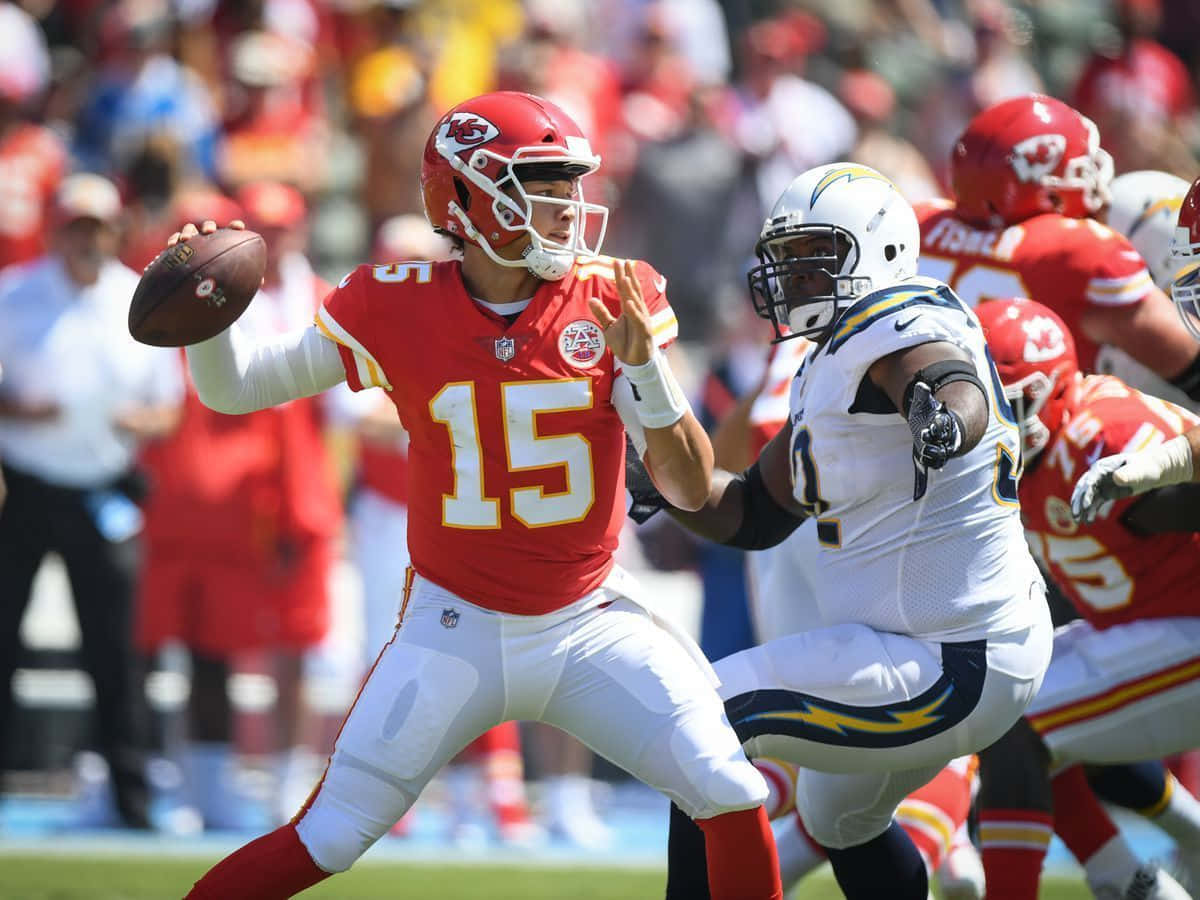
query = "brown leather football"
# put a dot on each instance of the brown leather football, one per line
(198, 288)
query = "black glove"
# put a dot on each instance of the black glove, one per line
(937, 432)
(646, 498)
(937, 435)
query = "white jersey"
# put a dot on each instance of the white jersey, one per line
(952, 566)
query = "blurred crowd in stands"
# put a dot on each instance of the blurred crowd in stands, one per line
(307, 118)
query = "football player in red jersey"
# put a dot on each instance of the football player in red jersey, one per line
(1171, 462)
(1028, 173)
(517, 373)
(1124, 677)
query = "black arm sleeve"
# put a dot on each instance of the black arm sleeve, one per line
(939, 374)
(764, 522)
(1188, 380)
(1173, 508)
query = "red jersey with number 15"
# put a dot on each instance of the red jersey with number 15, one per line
(1066, 264)
(1112, 574)
(516, 453)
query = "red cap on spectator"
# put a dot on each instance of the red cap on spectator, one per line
(271, 204)
(86, 196)
(867, 95)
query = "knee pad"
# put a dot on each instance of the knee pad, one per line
(729, 787)
(837, 832)
(352, 810)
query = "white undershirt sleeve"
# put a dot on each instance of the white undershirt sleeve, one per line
(235, 373)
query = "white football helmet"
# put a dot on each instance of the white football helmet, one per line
(872, 242)
(1144, 208)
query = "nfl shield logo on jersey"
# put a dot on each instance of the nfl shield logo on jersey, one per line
(505, 348)
(449, 618)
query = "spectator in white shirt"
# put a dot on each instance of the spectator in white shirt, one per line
(77, 399)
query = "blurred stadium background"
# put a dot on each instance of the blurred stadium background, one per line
(701, 109)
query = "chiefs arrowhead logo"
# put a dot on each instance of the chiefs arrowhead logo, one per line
(465, 130)
(1043, 339)
(1036, 157)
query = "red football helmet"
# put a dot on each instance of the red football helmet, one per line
(471, 185)
(1185, 261)
(1025, 156)
(1035, 358)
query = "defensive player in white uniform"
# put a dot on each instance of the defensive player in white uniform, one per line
(902, 447)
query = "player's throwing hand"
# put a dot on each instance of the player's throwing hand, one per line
(629, 333)
(208, 226)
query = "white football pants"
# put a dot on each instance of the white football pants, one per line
(1127, 693)
(603, 669)
(871, 716)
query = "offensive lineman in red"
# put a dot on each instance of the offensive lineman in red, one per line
(1123, 680)
(516, 373)
(1029, 177)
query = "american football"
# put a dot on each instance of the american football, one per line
(198, 288)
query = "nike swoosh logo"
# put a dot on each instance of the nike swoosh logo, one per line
(900, 326)
(660, 284)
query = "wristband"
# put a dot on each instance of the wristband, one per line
(660, 401)
(1168, 463)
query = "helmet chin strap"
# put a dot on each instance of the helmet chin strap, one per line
(549, 265)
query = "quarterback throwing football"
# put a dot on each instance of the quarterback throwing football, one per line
(516, 373)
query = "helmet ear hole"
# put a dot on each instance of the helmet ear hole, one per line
(890, 252)
(464, 196)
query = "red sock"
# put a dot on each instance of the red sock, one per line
(932, 814)
(1079, 818)
(742, 862)
(1014, 843)
(273, 867)
(808, 838)
(498, 754)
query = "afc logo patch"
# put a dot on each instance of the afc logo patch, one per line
(465, 130)
(581, 343)
(450, 617)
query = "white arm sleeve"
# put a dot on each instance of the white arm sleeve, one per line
(626, 406)
(234, 373)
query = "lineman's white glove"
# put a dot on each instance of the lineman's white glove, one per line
(1096, 491)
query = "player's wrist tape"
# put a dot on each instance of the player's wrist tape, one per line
(659, 400)
(1168, 463)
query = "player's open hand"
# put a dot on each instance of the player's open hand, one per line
(628, 335)
(1098, 488)
(208, 226)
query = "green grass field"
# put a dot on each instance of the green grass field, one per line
(115, 878)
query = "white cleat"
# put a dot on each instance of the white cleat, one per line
(1149, 882)
(961, 874)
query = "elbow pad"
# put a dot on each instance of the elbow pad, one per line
(764, 522)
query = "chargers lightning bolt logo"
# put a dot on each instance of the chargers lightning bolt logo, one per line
(840, 722)
(847, 172)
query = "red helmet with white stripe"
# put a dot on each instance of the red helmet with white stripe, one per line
(1035, 358)
(1185, 261)
(472, 171)
(1025, 156)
